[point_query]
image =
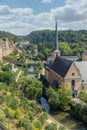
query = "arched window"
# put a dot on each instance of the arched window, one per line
(55, 84)
(73, 84)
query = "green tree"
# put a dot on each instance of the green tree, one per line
(65, 48)
(83, 96)
(60, 98)
(6, 77)
(32, 87)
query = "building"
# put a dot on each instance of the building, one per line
(6, 47)
(66, 70)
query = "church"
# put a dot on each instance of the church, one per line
(67, 70)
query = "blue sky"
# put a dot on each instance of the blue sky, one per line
(24, 16)
(36, 5)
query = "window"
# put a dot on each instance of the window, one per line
(73, 84)
(73, 74)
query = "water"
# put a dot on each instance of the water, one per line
(70, 122)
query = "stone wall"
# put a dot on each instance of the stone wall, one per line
(73, 74)
(51, 76)
(6, 47)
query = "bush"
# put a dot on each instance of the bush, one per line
(2, 99)
(51, 126)
(17, 114)
(5, 68)
(7, 77)
(11, 102)
(25, 123)
(2, 119)
(62, 128)
(43, 118)
(79, 111)
(38, 125)
(31, 116)
(3, 86)
(10, 113)
(83, 96)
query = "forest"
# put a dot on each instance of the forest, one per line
(48, 36)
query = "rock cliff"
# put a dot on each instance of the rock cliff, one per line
(6, 47)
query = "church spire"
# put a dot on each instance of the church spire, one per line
(56, 48)
(56, 39)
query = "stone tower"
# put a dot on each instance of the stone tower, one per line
(56, 47)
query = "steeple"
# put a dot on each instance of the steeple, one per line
(56, 51)
(56, 48)
(56, 39)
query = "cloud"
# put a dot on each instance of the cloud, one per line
(73, 15)
(4, 10)
(46, 1)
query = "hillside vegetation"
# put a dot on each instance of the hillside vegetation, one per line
(10, 36)
(63, 36)
(48, 36)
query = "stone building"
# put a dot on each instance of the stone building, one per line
(66, 69)
(6, 47)
(84, 56)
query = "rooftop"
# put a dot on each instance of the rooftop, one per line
(82, 66)
(60, 66)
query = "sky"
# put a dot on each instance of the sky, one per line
(21, 17)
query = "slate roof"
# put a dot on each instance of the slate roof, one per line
(60, 66)
(82, 66)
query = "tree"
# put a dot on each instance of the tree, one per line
(65, 49)
(83, 96)
(6, 77)
(60, 98)
(31, 87)
(65, 97)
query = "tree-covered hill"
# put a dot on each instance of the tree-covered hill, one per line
(48, 36)
(10, 36)
(64, 36)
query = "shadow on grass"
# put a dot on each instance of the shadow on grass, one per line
(69, 121)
